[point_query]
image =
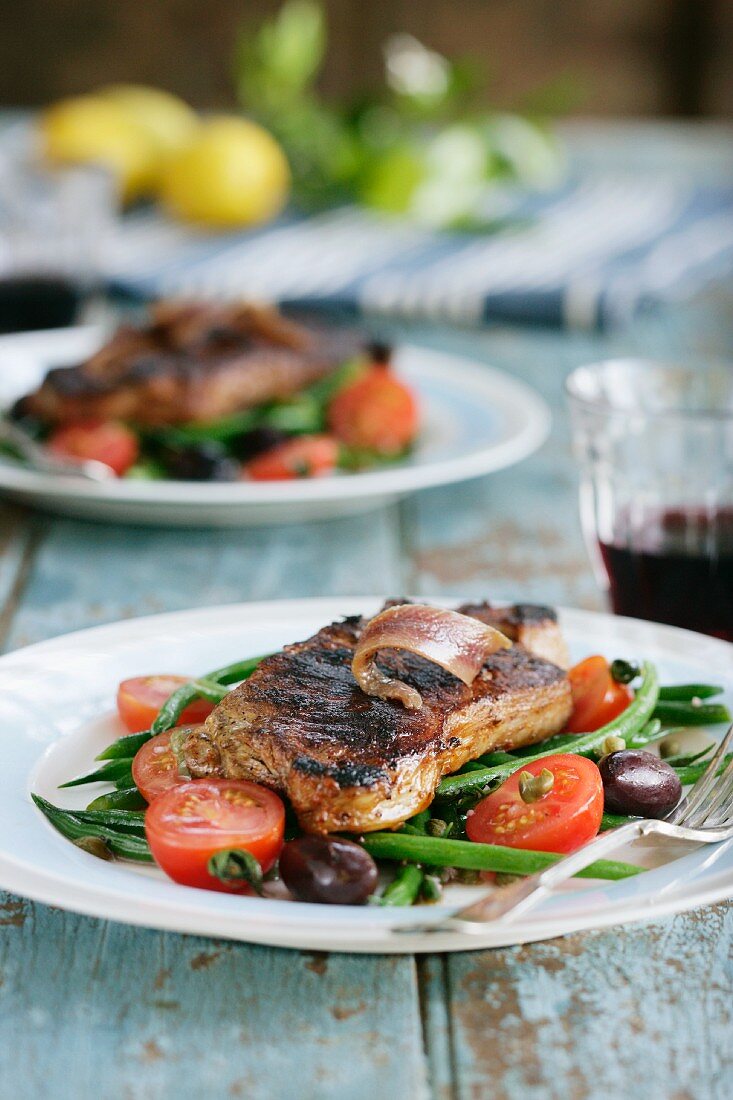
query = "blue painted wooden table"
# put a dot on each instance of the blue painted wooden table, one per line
(89, 1008)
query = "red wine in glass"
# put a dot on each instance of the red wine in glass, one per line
(676, 569)
(31, 301)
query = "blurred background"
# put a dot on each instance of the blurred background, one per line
(600, 57)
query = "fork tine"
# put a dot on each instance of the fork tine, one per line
(717, 810)
(702, 789)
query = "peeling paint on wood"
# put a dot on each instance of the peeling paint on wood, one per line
(92, 1008)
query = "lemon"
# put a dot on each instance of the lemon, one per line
(233, 173)
(167, 120)
(94, 130)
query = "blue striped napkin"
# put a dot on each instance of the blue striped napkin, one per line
(590, 255)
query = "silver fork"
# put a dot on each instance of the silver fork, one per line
(704, 815)
(40, 459)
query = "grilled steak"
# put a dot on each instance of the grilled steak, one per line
(192, 363)
(531, 625)
(348, 761)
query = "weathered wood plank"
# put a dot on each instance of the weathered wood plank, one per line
(89, 1008)
(641, 1010)
(116, 1011)
(18, 536)
(88, 573)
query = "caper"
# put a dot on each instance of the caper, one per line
(534, 787)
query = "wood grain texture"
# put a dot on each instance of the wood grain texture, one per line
(645, 1008)
(111, 1011)
(89, 1008)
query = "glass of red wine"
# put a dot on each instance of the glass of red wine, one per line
(54, 223)
(655, 445)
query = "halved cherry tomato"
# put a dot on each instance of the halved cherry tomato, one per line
(377, 413)
(564, 819)
(155, 767)
(191, 822)
(304, 456)
(105, 441)
(597, 698)
(140, 699)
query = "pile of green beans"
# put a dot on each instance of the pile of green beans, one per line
(470, 856)
(120, 841)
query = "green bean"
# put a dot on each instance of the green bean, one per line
(687, 714)
(405, 886)
(652, 731)
(210, 690)
(630, 721)
(690, 774)
(176, 703)
(108, 773)
(121, 843)
(419, 821)
(684, 759)
(560, 742)
(613, 821)
(438, 852)
(127, 799)
(130, 821)
(124, 746)
(490, 758)
(431, 889)
(685, 693)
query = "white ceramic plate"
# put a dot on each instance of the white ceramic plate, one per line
(56, 712)
(475, 420)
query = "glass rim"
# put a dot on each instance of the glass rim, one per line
(674, 412)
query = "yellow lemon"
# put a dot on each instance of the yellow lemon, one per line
(92, 130)
(233, 173)
(167, 120)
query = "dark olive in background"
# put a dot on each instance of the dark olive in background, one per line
(639, 784)
(328, 870)
(204, 461)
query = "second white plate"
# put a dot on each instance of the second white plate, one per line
(476, 420)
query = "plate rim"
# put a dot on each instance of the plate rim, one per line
(397, 480)
(111, 902)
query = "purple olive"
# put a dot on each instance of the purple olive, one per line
(327, 869)
(639, 784)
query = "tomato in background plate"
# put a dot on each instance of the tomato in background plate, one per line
(140, 698)
(304, 456)
(376, 413)
(190, 823)
(564, 819)
(597, 698)
(105, 441)
(155, 767)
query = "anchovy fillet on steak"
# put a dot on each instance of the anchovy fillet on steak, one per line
(194, 362)
(351, 762)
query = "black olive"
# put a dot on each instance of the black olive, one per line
(623, 672)
(327, 869)
(639, 783)
(205, 461)
(258, 441)
(379, 351)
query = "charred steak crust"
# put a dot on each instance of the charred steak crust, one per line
(348, 761)
(192, 363)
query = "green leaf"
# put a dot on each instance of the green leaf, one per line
(277, 63)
